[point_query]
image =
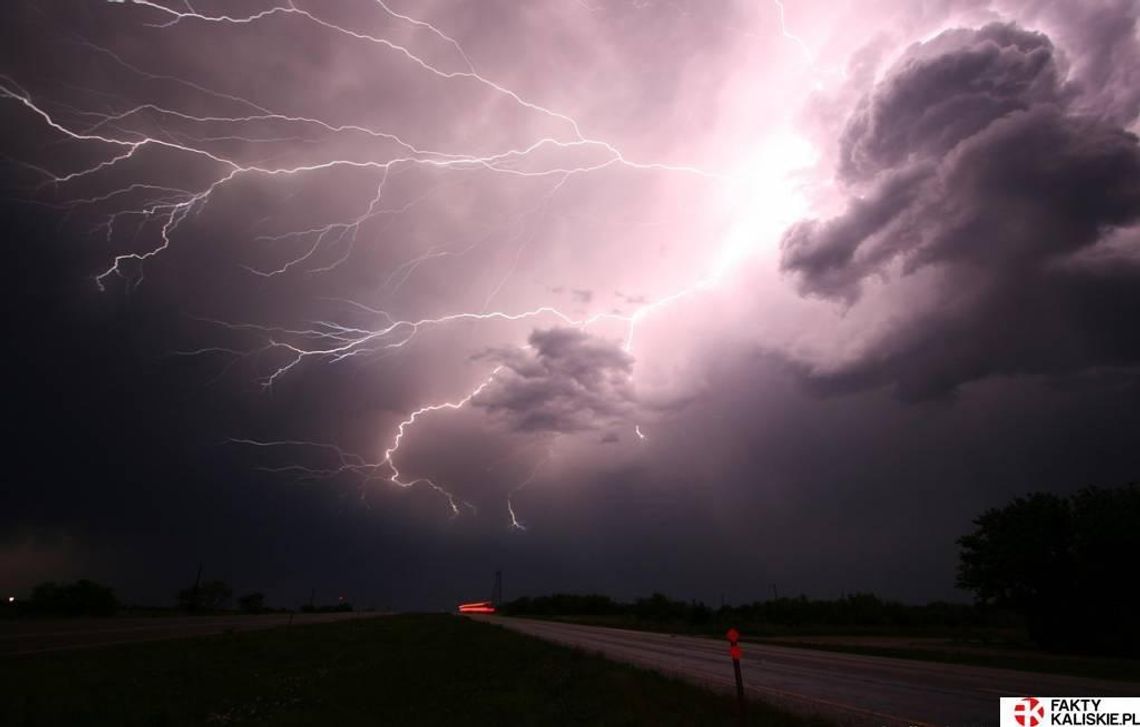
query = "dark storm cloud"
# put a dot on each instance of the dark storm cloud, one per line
(1106, 68)
(565, 381)
(825, 250)
(946, 91)
(976, 160)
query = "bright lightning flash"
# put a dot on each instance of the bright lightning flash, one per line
(546, 159)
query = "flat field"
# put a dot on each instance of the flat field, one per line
(393, 670)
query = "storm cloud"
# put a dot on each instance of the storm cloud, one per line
(566, 380)
(976, 161)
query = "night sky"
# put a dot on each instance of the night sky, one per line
(688, 296)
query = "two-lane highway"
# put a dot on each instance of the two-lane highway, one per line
(847, 688)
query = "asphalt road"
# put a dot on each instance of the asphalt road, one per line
(847, 688)
(33, 637)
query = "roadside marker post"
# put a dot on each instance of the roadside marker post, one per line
(735, 652)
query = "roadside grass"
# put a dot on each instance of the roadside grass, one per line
(396, 670)
(994, 648)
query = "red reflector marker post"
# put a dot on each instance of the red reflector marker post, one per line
(735, 652)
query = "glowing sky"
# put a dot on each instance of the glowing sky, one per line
(611, 295)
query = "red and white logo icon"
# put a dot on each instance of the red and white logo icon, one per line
(1029, 712)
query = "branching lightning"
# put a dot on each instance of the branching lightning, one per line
(170, 207)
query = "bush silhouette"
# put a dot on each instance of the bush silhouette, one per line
(81, 598)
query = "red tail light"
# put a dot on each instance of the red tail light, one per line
(477, 607)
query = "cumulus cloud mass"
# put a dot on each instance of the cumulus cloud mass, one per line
(565, 381)
(975, 157)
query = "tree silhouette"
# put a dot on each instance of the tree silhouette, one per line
(1067, 564)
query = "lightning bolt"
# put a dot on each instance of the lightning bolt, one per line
(515, 524)
(168, 208)
(788, 34)
(402, 428)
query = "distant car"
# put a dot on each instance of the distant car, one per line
(477, 607)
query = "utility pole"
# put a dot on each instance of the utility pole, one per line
(194, 592)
